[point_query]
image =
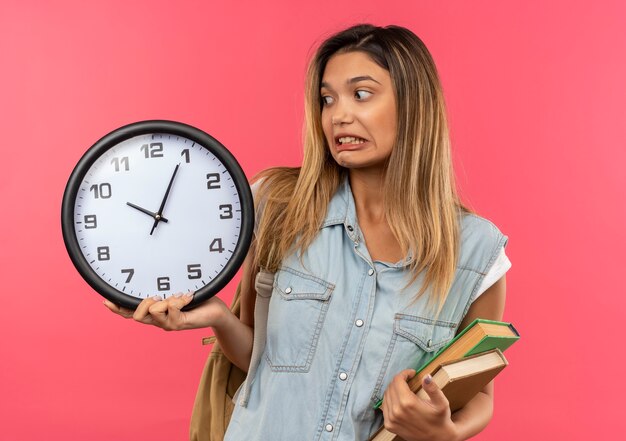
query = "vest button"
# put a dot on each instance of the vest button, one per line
(359, 323)
(329, 427)
(288, 290)
(343, 376)
(350, 228)
(370, 272)
(429, 343)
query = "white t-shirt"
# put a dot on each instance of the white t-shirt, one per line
(497, 270)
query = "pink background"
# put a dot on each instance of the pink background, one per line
(536, 100)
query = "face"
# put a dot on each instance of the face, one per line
(359, 111)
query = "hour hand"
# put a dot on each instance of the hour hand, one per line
(148, 212)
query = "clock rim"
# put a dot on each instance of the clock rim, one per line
(139, 128)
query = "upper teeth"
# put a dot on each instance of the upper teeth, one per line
(350, 140)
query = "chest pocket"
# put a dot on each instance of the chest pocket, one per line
(296, 315)
(414, 341)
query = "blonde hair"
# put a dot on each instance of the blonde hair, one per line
(421, 204)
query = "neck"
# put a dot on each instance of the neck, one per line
(367, 190)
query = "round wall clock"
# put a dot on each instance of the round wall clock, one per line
(157, 208)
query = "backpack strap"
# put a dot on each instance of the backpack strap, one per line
(264, 284)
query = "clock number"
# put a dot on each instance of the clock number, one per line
(213, 180)
(185, 153)
(101, 191)
(194, 271)
(90, 221)
(216, 245)
(120, 161)
(228, 214)
(153, 150)
(130, 272)
(103, 253)
(163, 283)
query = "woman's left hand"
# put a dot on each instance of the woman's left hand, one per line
(415, 419)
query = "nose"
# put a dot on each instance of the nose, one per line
(341, 113)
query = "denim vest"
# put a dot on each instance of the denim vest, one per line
(340, 327)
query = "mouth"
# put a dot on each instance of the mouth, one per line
(347, 142)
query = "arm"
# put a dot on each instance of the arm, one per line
(414, 419)
(236, 339)
(476, 414)
(234, 334)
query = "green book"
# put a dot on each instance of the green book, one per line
(480, 336)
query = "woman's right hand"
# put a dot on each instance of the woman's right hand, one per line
(166, 314)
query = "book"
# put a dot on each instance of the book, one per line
(460, 381)
(480, 336)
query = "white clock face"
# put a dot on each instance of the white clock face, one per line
(119, 231)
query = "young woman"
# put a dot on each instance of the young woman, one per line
(377, 263)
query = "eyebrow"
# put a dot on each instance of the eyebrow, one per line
(352, 81)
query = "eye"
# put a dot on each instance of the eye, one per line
(362, 94)
(326, 100)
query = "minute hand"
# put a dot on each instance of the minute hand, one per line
(167, 192)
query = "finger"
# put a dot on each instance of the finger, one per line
(174, 305)
(167, 313)
(141, 313)
(126, 313)
(398, 392)
(158, 311)
(406, 375)
(399, 384)
(437, 398)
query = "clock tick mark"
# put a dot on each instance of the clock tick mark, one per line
(93, 261)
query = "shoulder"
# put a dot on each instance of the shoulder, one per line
(274, 182)
(271, 190)
(480, 242)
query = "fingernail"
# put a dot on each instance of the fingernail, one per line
(188, 296)
(428, 379)
(177, 295)
(157, 298)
